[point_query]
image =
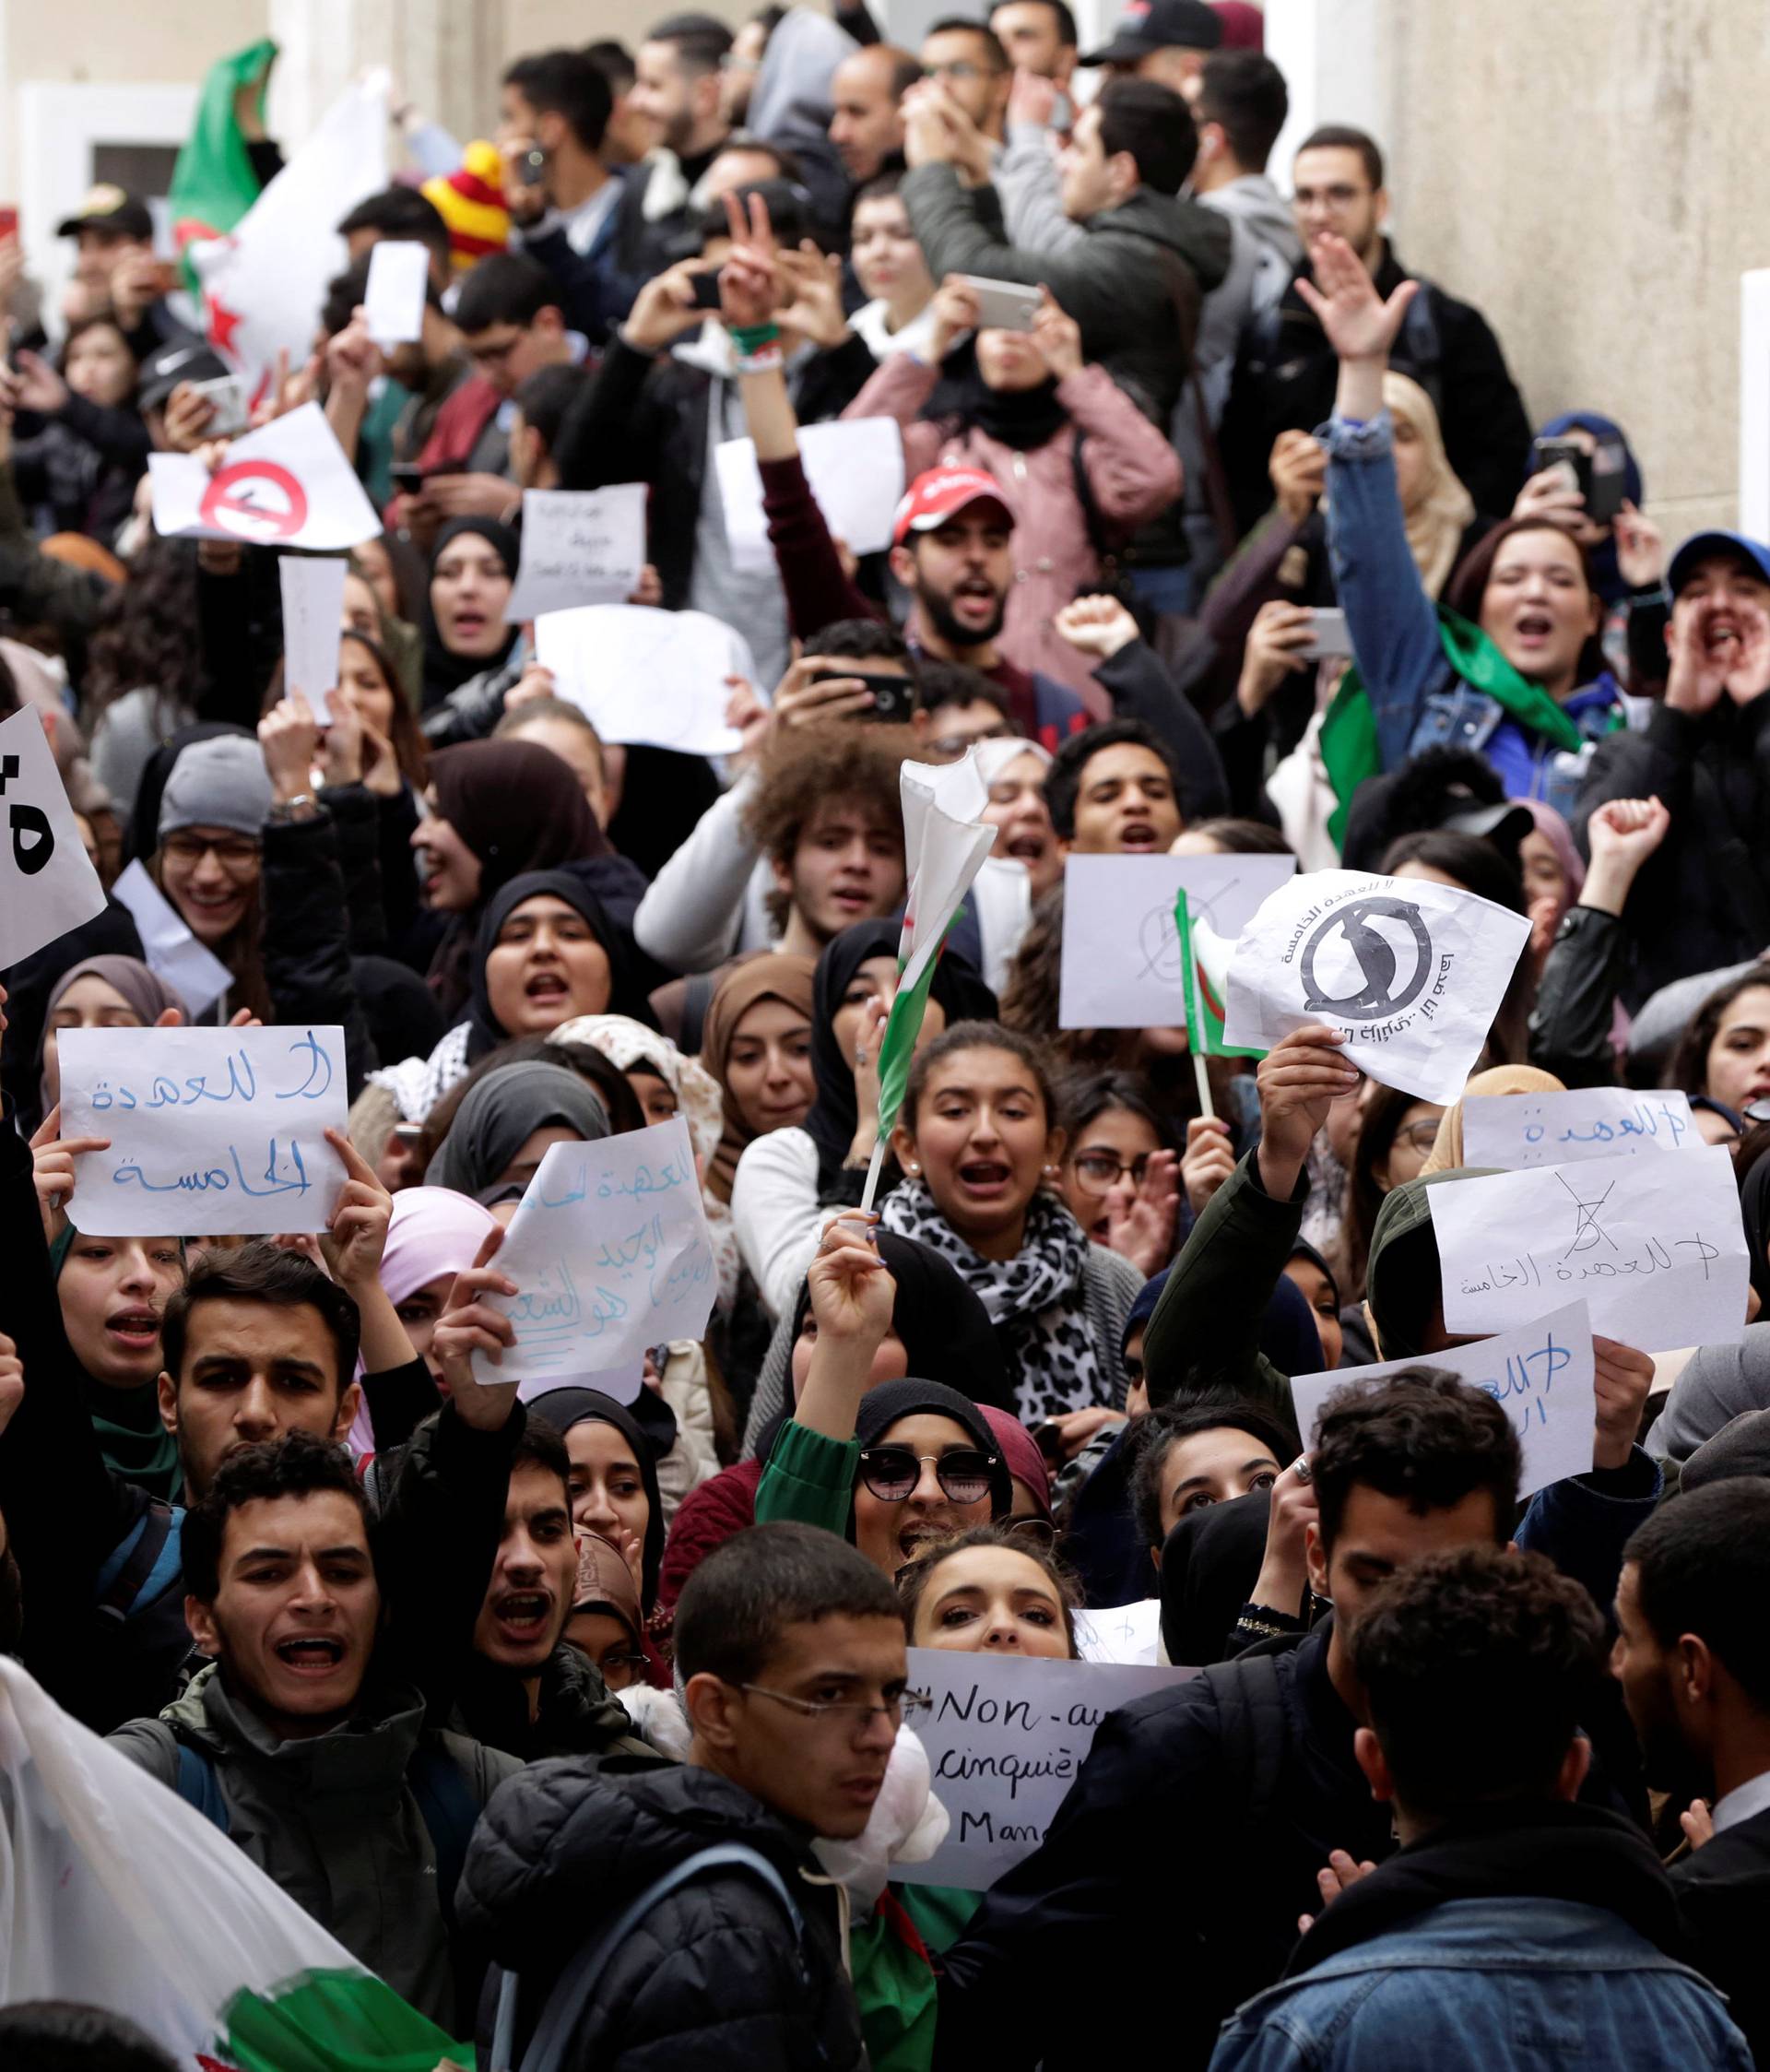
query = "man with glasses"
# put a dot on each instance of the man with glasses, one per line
(966, 61)
(790, 1658)
(1285, 370)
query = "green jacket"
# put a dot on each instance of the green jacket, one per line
(810, 1479)
(1204, 1339)
(333, 1820)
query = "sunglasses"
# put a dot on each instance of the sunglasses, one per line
(891, 1473)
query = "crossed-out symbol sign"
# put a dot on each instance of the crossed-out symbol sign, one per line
(255, 500)
(26, 819)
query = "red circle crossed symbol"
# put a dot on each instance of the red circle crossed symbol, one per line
(255, 500)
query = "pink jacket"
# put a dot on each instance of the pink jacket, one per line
(1132, 471)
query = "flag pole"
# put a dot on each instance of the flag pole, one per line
(873, 1171)
(1202, 1079)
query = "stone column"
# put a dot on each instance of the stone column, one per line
(445, 56)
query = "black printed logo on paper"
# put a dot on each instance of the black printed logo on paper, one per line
(1390, 944)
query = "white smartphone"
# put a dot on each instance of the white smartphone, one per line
(1002, 305)
(228, 393)
(1327, 636)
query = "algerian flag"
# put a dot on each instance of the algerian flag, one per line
(114, 1892)
(944, 847)
(264, 285)
(215, 182)
(1205, 960)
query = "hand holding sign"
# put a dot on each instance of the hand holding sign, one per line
(288, 485)
(580, 547)
(47, 883)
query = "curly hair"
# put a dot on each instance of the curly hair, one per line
(1422, 1436)
(812, 767)
(143, 637)
(298, 1464)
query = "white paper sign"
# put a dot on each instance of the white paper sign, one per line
(288, 485)
(312, 589)
(646, 676)
(1122, 963)
(211, 1130)
(393, 297)
(1005, 1739)
(1655, 1246)
(1513, 1130)
(856, 471)
(1413, 972)
(173, 953)
(579, 546)
(1122, 1633)
(610, 1254)
(47, 882)
(1539, 1374)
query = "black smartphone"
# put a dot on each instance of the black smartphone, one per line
(531, 168)
(893, 696)
(706, 291)
(406, 476)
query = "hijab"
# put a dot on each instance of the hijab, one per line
(1402, 1283)
(501, 1112)
(1441, 510)
(1209, 1564)
(1025, 1463)
(605, 1584)
(1555, 830)
(148, 997)
(772, 975)
(485, 1031)
(443, 669)
(946, 1331)
(563, 1408)
(992, 757)
(1754, 1209)
(127, 1422)
(835, 1111)
(1448, 1145)
(1606, 577)
(880, 1408)
(1024, 419)
(626, 1043)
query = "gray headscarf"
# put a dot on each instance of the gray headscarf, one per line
(501, 1112)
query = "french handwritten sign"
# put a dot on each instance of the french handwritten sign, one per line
(211, 1131)
(1005, 1739)
(610, 1254)
(1513, 1130)
(1541, 1375)
(579, 546)
(1655, 1246)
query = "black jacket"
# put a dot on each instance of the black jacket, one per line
(1702, 900)
(1286, 372)
(644, 419)
(712, 1978)
(1724, 1893)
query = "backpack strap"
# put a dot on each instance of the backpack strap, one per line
(143, 1565)
(197, 1783)
(576, 1985)
(1256, 1732)
(450, 1812)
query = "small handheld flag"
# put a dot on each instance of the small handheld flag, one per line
(944, 847)
(1204, 963)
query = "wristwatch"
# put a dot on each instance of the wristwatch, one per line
(304, 806)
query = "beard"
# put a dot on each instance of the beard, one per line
(940, 615)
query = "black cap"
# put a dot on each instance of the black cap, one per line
(108, 207)
(188, 360)
(1148, 25)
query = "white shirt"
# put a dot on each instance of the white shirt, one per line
(583, 223)
(1742, 1802)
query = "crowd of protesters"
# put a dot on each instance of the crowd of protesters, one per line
(1460, 1780)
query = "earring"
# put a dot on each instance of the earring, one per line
(912, 1168)
(1050, 1172)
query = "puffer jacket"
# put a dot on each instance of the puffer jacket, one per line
(1132, 476)
(334, 1819)
(713, 1977)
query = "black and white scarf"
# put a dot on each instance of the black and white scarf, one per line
(1037, 1300)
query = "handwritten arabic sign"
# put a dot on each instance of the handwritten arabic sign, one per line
(1122, 963)
(1412, 972)
(1005, 1739)
(1541, 1376)
(212, 1131)
(1513, 1130)
(610, 1253)
(47, 884)
(1653, 1245)
(580, 547)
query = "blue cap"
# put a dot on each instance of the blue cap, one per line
(1701, 545)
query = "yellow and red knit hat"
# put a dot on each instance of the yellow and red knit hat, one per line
(470, 200)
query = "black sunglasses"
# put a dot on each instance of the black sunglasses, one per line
(891, 1473)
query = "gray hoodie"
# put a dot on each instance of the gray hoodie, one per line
(1718, 1383)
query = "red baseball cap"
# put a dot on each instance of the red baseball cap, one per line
(942, 493)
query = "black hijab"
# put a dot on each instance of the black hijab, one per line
(1210, 1565)
(1024, 419)
(443, 669)
(881, 1407)
(1754, 1210)
(836, 1113)
(625, 997)
(563, 1408)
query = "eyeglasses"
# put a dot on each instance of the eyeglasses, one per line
(1099, 1170)
(950, 747)
(891, 1473)
(239, 859)
(960, 68)
(1418, 1136)
(859, 1717)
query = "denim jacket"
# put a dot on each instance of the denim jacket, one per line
(1418, 700)
(1507, 1985)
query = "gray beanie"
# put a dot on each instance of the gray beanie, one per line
(219, 783)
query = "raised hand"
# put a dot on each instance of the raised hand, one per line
(1640, 547)
(52, 1169)
(1057, 336)
(1097, 625)
(40, 388)
(1274, 650)
(1298, 470)
(357, 1234)
(289, 736)
(1621, 1378)
(1628, 830)
(469, 1325)
(1140, 1216)
(851, 1289)
(956, 311)
(1210, 1160)
(1358, 323)
(1300, 1079)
